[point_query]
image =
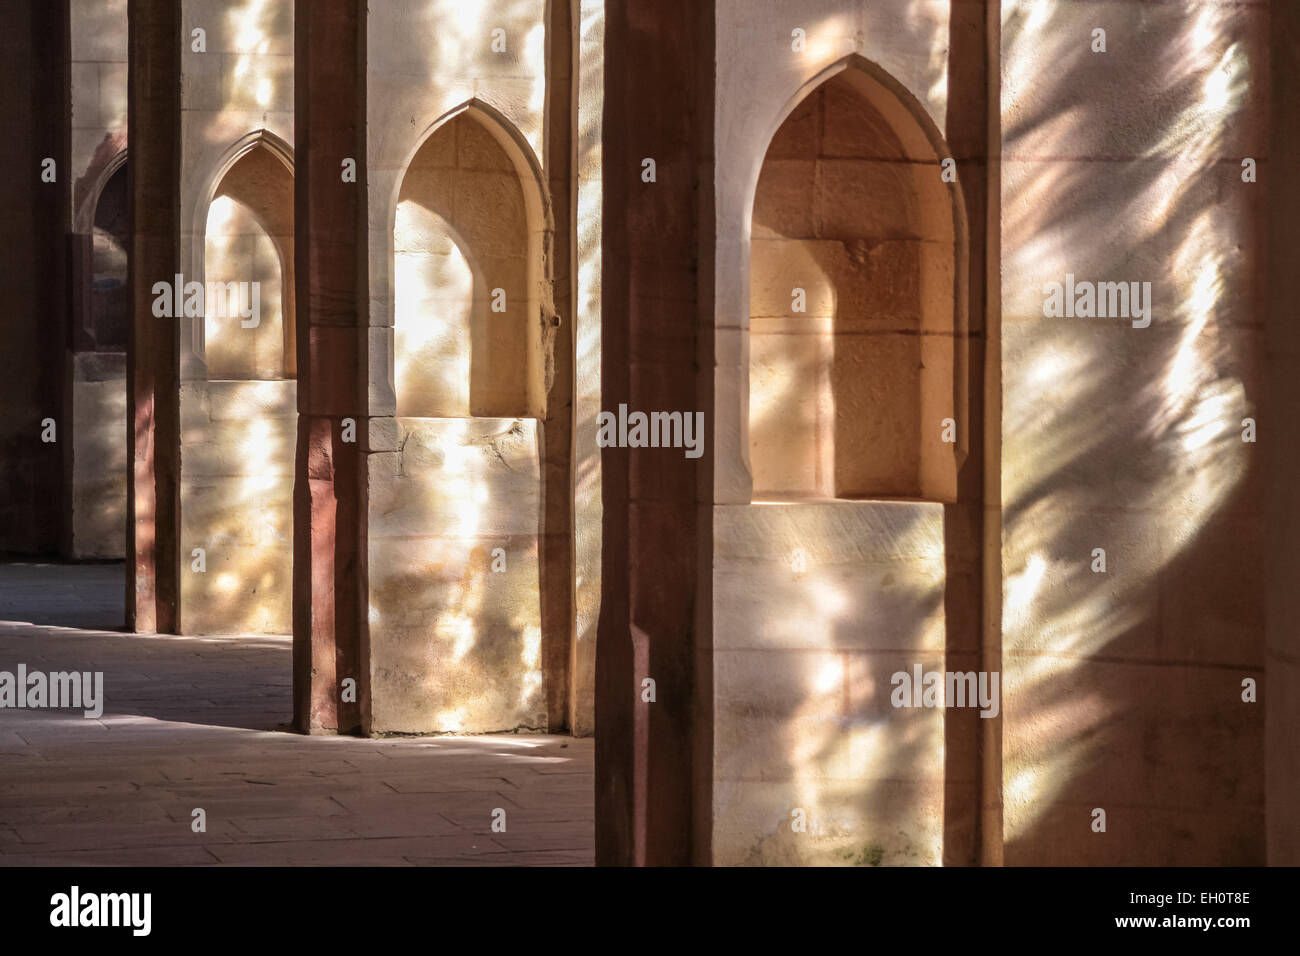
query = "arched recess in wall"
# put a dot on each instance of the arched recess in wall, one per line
(248, 236)
(239, 418)
(99, 466)
(858, 346)
(471, 233)
(841, 569)
(455, 518)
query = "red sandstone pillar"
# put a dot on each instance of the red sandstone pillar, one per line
(330, 246)
(557, 585)
(26, 391)
(972, 825)
(654, 760)
(153, 359)
(51, 224)
(1278, 206)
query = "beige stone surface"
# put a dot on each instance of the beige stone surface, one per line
(97, 89)
(242, 253)
(1124, 687)
(756, 829)
(817, 603)
(587, 504)
(99, 465)
(852, 323)
(454, 645)
(816, 606)
(249, 239)
(792, 406)
(242, 86)
(461, 233)
(761, 81)
(237, 464)
(426, 61)
(1172, 754)
(238, 430)
(865, 284)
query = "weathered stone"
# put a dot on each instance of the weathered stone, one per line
(455, 644)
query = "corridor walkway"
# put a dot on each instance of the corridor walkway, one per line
(199, 723)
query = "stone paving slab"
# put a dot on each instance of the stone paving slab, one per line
(199, 722)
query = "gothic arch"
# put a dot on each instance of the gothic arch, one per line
(539, 224)
(85, 217)
(205, 193)
(100, 339)
(941, 211)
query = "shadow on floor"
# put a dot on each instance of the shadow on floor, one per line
(68, 617)
(91, 596)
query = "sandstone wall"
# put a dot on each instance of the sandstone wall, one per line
(435, 82)
(455, 624)
(586, 467)
(237, 443)
(241, 86)
(1123, 688)
(816, 606)
(238, 410)
(98, 77)
(99, 455)
(851, 309)
(816, 603)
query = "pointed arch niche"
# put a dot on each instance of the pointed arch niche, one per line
(99, 467)
(466, 277)
(249, 237)
(456, 511)
(836, 551)
(239, 397)
(856, 350)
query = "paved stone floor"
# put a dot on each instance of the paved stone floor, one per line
(198, 723)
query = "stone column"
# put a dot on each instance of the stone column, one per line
(1279, 439)
(653, 759)
(557, 597)
(50, 238)
(329, 604)
(153, 370)
(972, 826)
